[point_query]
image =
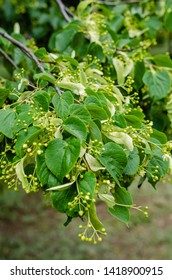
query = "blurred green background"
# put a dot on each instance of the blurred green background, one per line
(31, 230)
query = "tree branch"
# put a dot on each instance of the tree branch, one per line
(7, 57)
(63, 10)
(118, 3)
(69, 11)
(24, 49)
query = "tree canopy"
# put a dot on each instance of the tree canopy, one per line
(86, 103)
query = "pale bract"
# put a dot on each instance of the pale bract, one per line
(61, 187)
(77, 88)
(121, 138)
(93, 163)
(21, 174)
(123, 67)
(108, 199)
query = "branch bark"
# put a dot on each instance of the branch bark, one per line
(24, 49)
(118, 3)
(7, 57)
(64, 10)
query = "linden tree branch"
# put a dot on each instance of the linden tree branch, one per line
(25, 50)
(64, 10)
(118, 3)
(7, 57)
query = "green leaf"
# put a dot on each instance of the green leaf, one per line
(154, 24)
(42, 170)
(7, 122)
(87, 184)
(22, 119)
(160, 136)
(45, 76)
(81, 112)
(62, 103)
(97, 112)
(19, 56)
(116, 22)
(120, 120)
(41, 53)
(121, 213)
(159, 84)
(133, 162)
(163, 60)
(52, 180)
(98, 99)
(68, 97)
(122, 196)
(54, 156)
(133, 121)
(96, 51)
(21, 108)
(72, 61)
(3, 95)
(96, 108)
(61, 156)
(44, 174)
(76, 127)
(95, 132)
(168, 4)
(61, 199)
(100, 104)
(83, 5)
(61, 106)
(61, 40)
(23, 137)
(139, 71)
(159, 160)
(137, 113)
(81, 48)
(168, 21)
(92, 100)
(114, 159)
(42, 100)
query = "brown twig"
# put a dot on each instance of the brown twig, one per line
(24, 49)
(118, 2)
(148, 64)
(63, 10)
(7, 57)
(69, 11)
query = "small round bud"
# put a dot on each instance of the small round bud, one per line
(25, 146)
(81, 213)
